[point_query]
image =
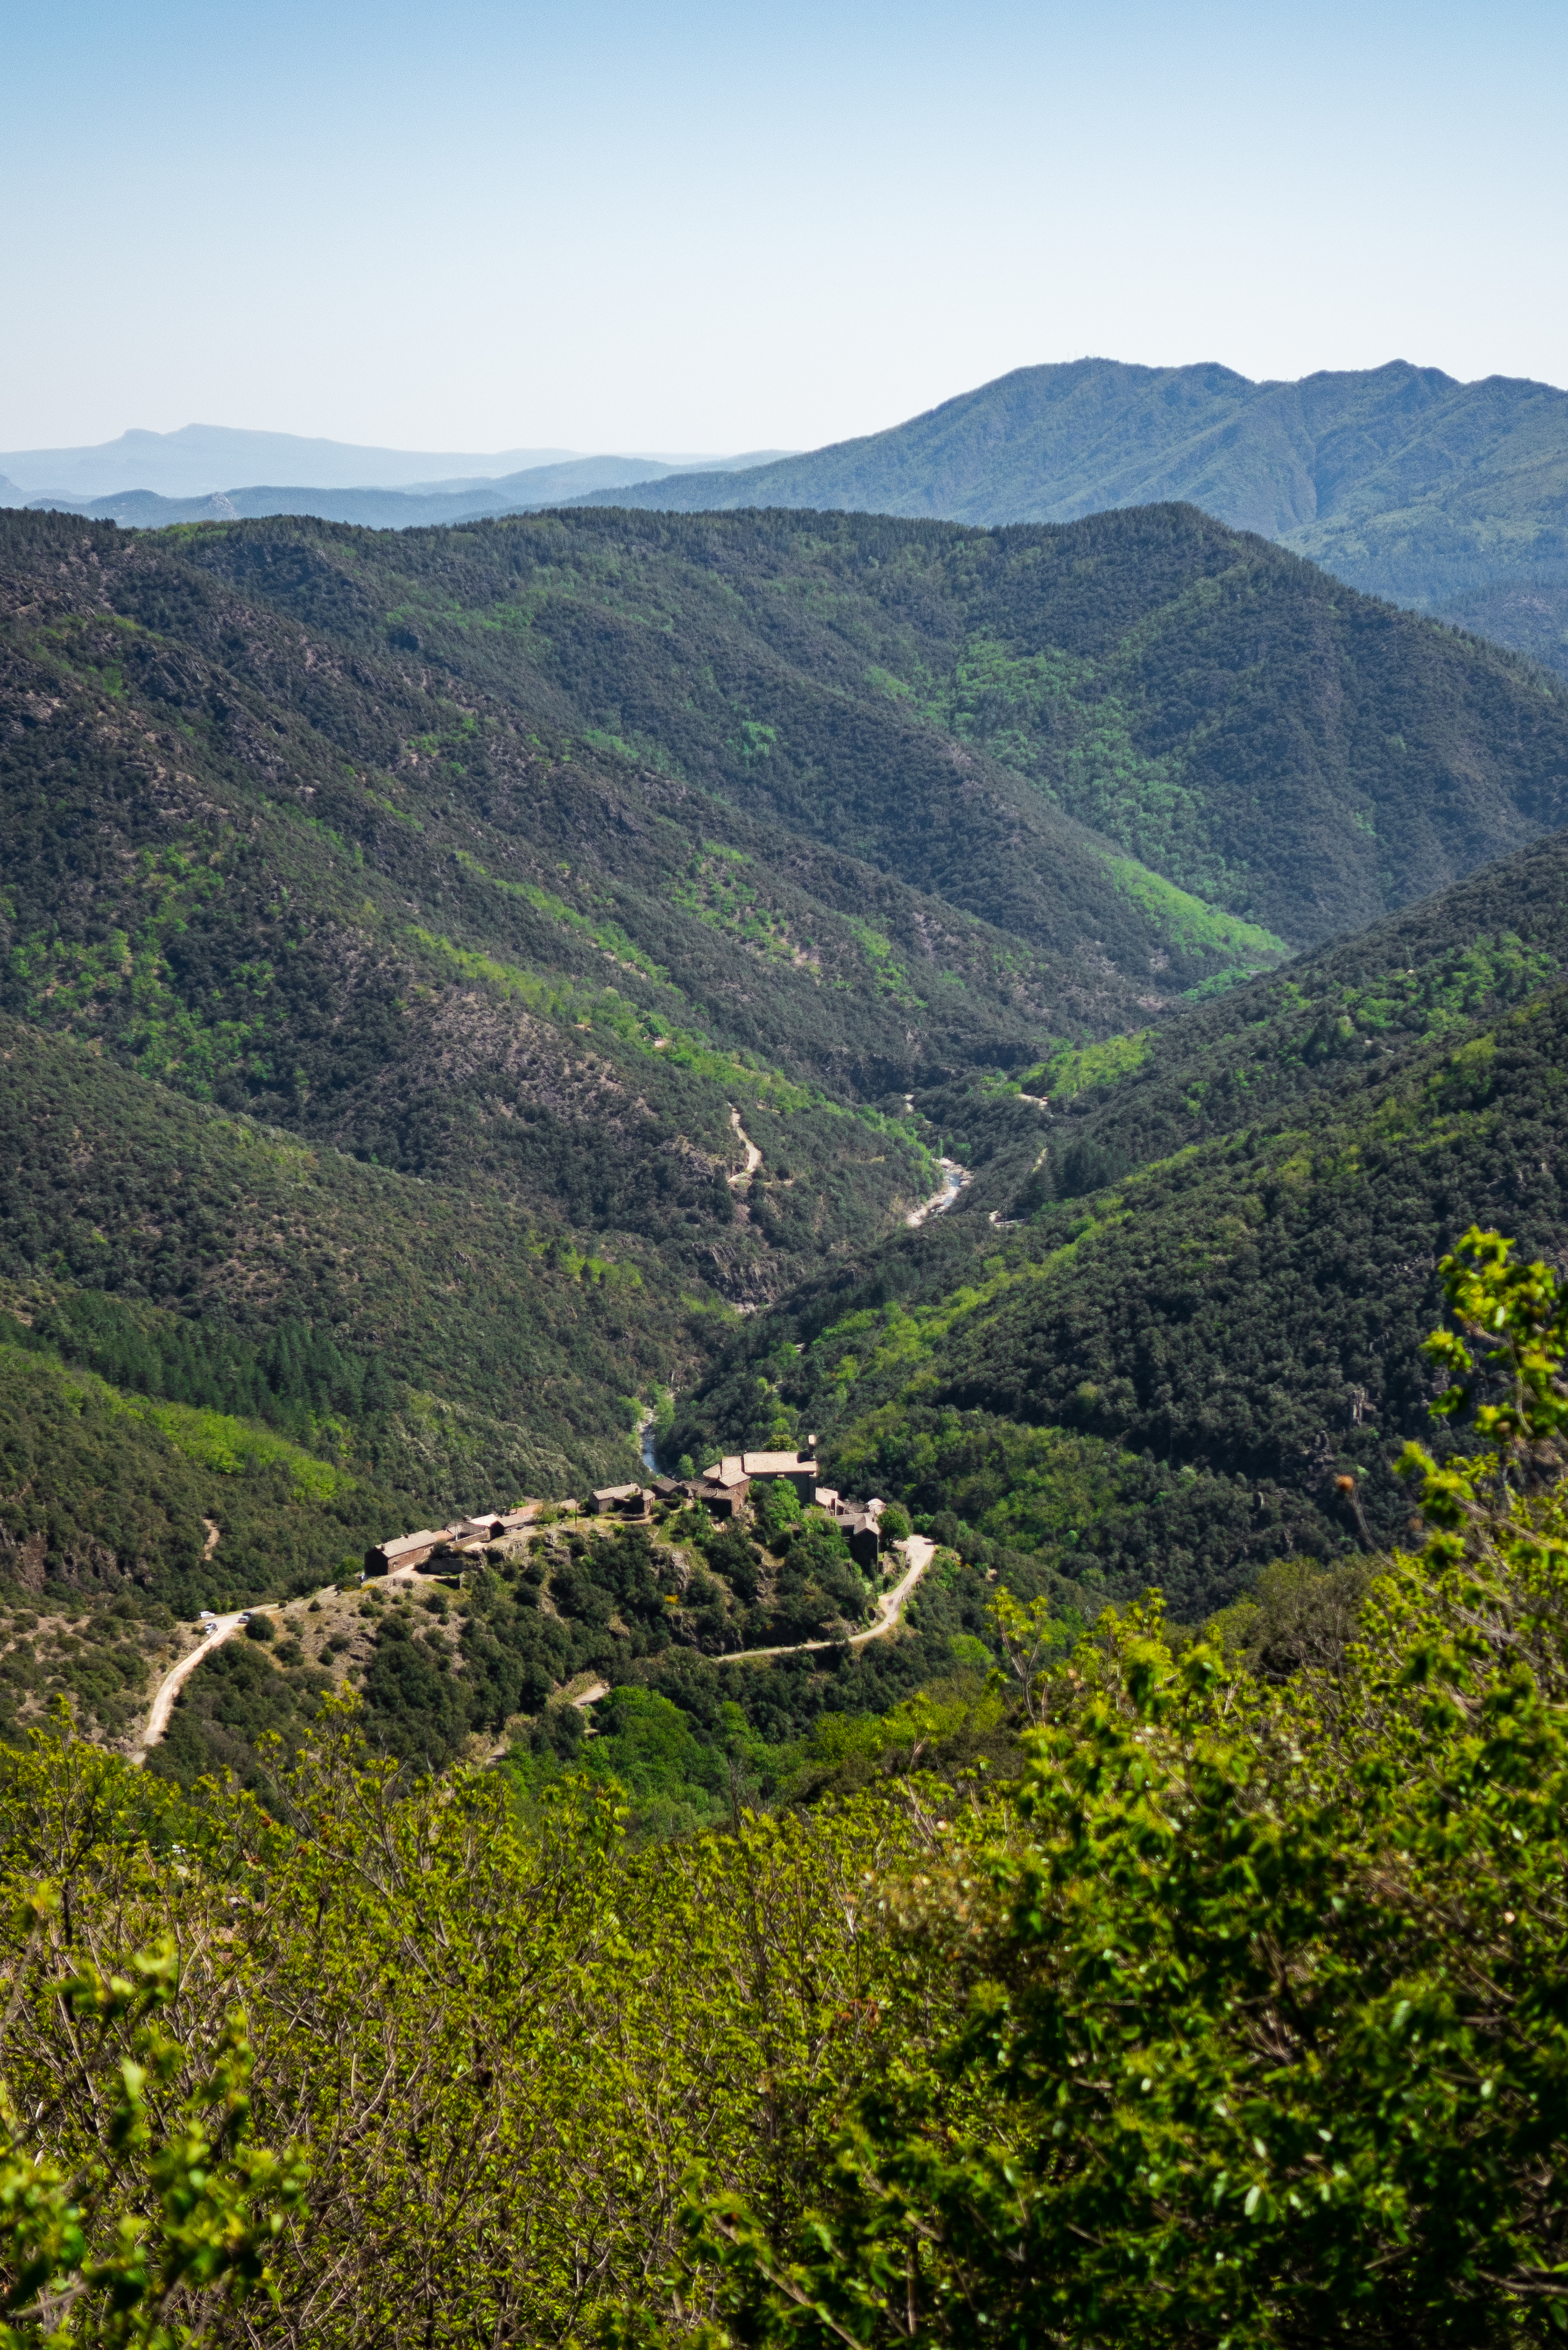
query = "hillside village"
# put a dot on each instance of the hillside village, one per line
(723, 1489)
(495, 1634)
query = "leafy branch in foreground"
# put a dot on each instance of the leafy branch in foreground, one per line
(1515, 1317)
(173, 2209)
(1266, 2035)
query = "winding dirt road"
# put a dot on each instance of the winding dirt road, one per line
(169, 1688)
(754, 1156)
(918, 1554)
(223, 1629)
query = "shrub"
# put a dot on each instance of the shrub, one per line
(777, 1509)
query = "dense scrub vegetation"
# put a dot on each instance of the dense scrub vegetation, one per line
(99, 1654)
(246, 915)
(430, 1339)
(1323, 1027)
(361, 814)
(1157, 1991)
(1528, 612)
(410, 940)
(104, 1493)
(341, 1184)
(524, 883)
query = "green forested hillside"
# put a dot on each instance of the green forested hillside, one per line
(1528, 613)
(501, 1201)
(250, 918)
(447, 974)
(1179, 1306)
(108, 1494)
(382, 2057)
(1324, 1024)
(434, 1336)
(637, 1624)
(950, 708)
(1398, 479)
(447, 982)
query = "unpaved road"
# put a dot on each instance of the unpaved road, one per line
(223, 1629)
(169, 1688)
(918, 1554)
(754, 1156)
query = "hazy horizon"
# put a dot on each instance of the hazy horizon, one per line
(399, 468)
(715, 230)
(195, 459)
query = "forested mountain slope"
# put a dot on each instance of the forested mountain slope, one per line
(952, 707)
(514, 1010)
(1528, 612)
(446, 767)
(428, 1335)
(112, 1496)
(410, 939)
(1217, 1265)
(424, 962)
(1398, 479)
(1325, 1022)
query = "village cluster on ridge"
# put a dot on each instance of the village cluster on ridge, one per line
(723, 1489)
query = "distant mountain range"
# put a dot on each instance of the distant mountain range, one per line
(1450, 497)
(146, 480)
(370, 508)
(200, 459)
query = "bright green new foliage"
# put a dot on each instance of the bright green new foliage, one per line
(1267, 2021)
(173, 2210)
(507, 2043)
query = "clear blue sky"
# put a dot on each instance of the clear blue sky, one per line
(711, 226)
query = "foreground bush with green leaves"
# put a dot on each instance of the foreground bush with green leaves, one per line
(1238, 2018)
(1266, 2031)
(132, 2195)
(492, 2047)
